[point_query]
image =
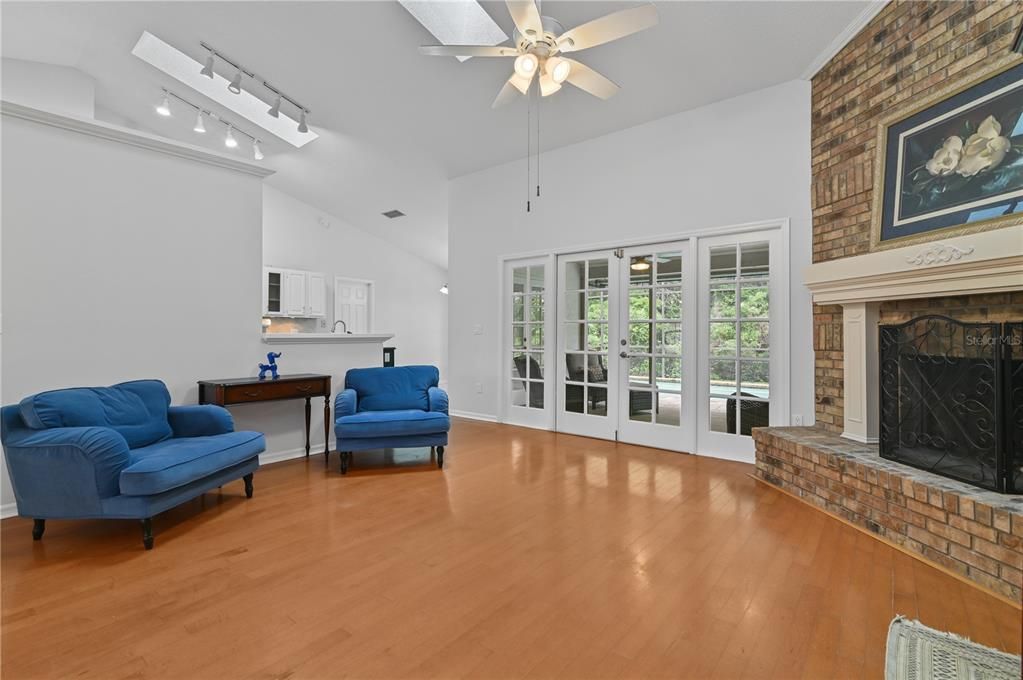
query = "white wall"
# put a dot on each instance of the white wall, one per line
(407, 298)
(741, 160)
(48, 87)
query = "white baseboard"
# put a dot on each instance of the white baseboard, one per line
(8, 510)
(485, 417)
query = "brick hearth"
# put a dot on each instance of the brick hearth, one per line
(974, 533)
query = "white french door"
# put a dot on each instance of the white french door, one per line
(526, 356)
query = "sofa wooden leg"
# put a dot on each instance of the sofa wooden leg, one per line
(38, 527)
(440, 456)
(344, 462)
(147, 533)
(248, 485)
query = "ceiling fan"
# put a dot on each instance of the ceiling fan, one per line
(540, 43)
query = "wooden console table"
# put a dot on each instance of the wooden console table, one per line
(249, 390)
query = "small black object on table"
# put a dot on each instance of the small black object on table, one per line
(250, 390)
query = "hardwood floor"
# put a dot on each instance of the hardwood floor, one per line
(530, 555)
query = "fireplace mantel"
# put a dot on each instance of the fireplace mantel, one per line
(984, 262)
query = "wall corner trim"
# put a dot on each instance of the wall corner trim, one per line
(123, 135)
(843, 38)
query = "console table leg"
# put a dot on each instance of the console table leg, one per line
(326, 425)
(308, 415)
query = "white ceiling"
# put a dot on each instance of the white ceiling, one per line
(395, 125)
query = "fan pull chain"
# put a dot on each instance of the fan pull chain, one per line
(529, 140)
(539, 100)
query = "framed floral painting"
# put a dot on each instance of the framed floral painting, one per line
(952, 163)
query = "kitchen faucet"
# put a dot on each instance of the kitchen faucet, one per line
(343, 325)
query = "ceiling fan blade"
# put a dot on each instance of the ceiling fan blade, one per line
(467, 51)
(526, 17)
(588, 80)
(548, 86)
(607, 28)
(515, 86)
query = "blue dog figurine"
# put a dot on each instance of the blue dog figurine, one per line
(272, 366)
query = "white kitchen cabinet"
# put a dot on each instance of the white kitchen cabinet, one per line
(294, 293)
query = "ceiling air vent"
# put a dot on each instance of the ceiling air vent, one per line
(391, 214)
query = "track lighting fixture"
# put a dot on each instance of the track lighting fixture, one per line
(302, 127)
(235, 85)
(275, 110)
(207, 70)
(202, 115)
(163, 108)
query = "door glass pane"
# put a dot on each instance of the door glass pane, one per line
(669, 268)
(536, 278)
(273, 292)
(535, 361)
(575, 367)
(669, 338)
(722, 262)
(518, 393)
(754, 377)
(519, 280)
(639, 303)
(641, 406)
(575, 275)
(596, 337)
(574, 398)
(520, 366)
(753, 302)
(669, 373)
(669, 409)
(596, 401)
(669, 303)
(597, 274)
(722, 339)
(535, 336)
(535, 304)
(575, 306)
(518, 336)
(639, 372)
(639, 338)
(754, 414)
(722, 301)
(755, 259)
(535, 394)
(641, 270)
(574, 334)
(596, 368)
(596, 306)
(756, 340)
(518, 308)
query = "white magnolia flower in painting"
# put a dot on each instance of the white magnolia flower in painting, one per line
(946, 158)
(983, 150)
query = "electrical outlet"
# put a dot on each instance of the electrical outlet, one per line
(323, 323)
(479, 388)
(797, 420)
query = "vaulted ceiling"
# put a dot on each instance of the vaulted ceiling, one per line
(395, 125)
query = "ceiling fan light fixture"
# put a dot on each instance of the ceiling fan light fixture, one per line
(639, 265)
(559, 69)
(525, 65)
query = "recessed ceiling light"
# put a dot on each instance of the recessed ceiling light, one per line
(391, 214)
(184, 68)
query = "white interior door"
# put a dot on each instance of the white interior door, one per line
(352, 304)
(587, 376)
(743, 336)
(656, 405)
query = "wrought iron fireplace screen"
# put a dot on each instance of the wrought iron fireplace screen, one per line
(951, 398)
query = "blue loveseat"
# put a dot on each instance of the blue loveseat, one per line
(119, 452)
(391, 408)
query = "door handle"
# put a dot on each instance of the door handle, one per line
(623, 354)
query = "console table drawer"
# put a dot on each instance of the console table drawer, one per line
(268, 391)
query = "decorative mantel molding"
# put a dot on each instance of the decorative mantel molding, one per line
(123, 135)
(938, 253)
(985, 262)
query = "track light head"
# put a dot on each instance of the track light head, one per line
(229, 141)
(235, 85)
(200, 126)
(207, 70)
(302, 127)
(163, 108)
(275, 110)
(257, 150)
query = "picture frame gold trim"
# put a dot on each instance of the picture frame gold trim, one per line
(993, 69)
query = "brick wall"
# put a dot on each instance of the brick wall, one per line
(902, 54)
(974, 533)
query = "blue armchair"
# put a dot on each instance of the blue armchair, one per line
(119, 452)
(397, 407)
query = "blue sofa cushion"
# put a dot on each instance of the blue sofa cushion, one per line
(392, 423)
(394, 388)
(173, 462)
(137, 410)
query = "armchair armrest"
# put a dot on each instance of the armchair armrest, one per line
(199, 421)
(438, 399)
(346, 403)
(65, 471)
